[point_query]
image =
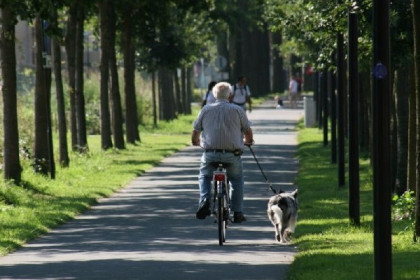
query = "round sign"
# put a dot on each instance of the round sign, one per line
(379, 71)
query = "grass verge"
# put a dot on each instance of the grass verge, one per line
(329, 247)
(41, 204)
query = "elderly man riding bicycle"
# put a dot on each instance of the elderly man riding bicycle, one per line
(225, 130)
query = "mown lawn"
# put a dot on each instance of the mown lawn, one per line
(329, 247)
(41, 204)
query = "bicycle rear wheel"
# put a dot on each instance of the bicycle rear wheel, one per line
(221, 222)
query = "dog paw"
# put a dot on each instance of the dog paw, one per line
(287, 236)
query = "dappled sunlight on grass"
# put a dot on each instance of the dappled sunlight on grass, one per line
(329, 246)
(331, 201)
(40, 203)
(329, 265)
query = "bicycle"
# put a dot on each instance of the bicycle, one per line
(221, 195)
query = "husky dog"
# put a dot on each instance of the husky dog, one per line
(282, 212)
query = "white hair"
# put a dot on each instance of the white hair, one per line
(222, 90)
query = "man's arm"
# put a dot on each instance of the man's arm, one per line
(249, 137)
(248, 99)
(195, 138)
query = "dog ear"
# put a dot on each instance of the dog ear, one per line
(280, 191)
(295, 193)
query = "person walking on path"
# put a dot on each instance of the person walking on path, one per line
(222, 126)
(293, 92)
(208, 97)
(241, 94)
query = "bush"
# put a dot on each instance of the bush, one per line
(404, 206)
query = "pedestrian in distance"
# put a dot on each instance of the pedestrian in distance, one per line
(222, 129)
(293, 92)
(208, 97)
(241, 94)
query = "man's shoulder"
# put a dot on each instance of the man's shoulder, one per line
(228, 105)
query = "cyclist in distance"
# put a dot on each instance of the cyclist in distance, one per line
(225, 130)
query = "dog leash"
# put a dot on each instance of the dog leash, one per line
(262, 172)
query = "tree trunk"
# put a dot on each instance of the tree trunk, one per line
(394, 133)
(411, 161)
(184, 90)
(43, 150)
(178, 103)
(189, 89)
(333, 114)
(48, 80)
(117, 118)
(131, 114)
(70, 45)
(11, 163)
(61, 113)
(106, 141)
(170, 105)
(363, 119)
(256, 61)
(166, 95)
(80, 98)
(416, 22)
(41, 155)
(365, 113)
(251, 53)
(160, 94)
(154, 99)
(236, 51)
(401, 102)
(222, 49)
(279, 75)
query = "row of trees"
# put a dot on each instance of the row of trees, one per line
(318, 32)
(162, 38)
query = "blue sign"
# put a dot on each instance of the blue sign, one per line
(379, 71)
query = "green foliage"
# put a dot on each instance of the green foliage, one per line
(25, 114)
(25, 107)
(401, 25)
(92, 107)
(404, 208)
(312, 26)
(329, 247)
(145, 110)
(172, 33)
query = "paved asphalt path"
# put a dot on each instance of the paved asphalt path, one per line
(148, 230)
